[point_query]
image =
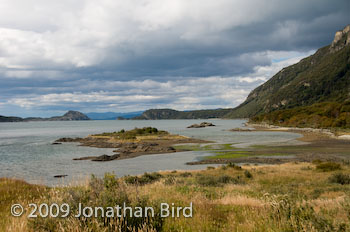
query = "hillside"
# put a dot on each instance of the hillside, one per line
(318, 115)
(112, 115)
(69, 116)
(322, 77)
(10, 119)
(155, 114)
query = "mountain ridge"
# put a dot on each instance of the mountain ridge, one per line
(159, 114)
(321, 77)
(69, 116)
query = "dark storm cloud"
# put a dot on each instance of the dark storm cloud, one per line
(62, 55)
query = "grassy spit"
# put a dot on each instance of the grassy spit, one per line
(287, 197)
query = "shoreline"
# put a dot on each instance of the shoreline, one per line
(319, 144)
(309, 134)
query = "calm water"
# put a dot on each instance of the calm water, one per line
(26, 151)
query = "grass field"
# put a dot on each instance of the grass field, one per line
(287, 197)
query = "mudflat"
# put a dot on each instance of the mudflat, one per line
(316, 144)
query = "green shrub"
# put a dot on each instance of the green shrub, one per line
(185, 174)
(207, 180)
(328, 166)
(234, 166)
(146, 178)
(131, 134)
(225, 179)
(248, 174)
(340, 178)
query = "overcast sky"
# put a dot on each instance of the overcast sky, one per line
(123, 56)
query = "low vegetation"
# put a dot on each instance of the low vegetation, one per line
(328, 166)
(319, 115)
(132, 134)
(288, 197)
(340, 178)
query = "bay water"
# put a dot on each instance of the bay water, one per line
(26, 150)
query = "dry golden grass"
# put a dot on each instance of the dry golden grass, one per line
(288, 197)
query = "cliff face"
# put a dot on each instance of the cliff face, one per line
(341, 39)
(322, 77)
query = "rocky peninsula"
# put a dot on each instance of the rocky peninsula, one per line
(132, 143)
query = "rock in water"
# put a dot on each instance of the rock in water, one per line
(203, 124)
(60, 176)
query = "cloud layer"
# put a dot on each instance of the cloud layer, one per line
(128, 55)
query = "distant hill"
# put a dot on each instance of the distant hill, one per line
(69, 116)
(322, 77)
(10, 119)
(155, 114)
(112, 115)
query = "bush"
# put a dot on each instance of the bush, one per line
(225, 179)
(328, 166)
(146, 178)
(185, 174)
(248, 174)
(170, 180)
(205, 180)
(131, 134)
(340, 178)
(234, 166)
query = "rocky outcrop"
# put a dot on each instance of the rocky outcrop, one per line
(203, 124)
(237, 129)
(60, 176)
(68, 140)
(341, 39)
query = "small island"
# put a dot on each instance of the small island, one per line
(132, 143)
(202, 125)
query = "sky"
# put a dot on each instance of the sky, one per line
(124, 56)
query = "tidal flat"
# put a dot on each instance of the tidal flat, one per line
(314, 145)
